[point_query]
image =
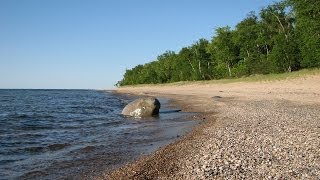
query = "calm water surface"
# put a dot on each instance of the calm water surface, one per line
(46, 134)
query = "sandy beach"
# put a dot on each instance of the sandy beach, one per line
(252, 130)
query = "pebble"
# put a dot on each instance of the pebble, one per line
(258, 140)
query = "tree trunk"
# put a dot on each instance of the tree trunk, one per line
(229, 69)
(200, 71)
(289, 67)
(209, 71)
(192, 66)
(267, 51)
(282, 27)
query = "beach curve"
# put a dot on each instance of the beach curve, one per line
(268, 129)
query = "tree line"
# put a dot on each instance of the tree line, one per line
(283, 37)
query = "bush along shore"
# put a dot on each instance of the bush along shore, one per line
(282, 37)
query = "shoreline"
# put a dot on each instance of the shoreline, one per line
(250, 130)
(163, 161)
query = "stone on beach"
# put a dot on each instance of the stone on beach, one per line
(142, 107)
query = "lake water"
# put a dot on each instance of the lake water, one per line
(58, 134)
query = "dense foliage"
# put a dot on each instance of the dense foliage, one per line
(284, 37)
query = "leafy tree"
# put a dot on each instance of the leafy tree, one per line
(307, 13)
(164, 67)
(280, 32)
(245, 38)
(224, 48)
(202, 59)
(186, 57)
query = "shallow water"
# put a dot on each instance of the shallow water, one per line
(50, 134)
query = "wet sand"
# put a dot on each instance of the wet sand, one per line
(256, 130)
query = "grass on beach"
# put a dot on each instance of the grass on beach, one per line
(252, 78)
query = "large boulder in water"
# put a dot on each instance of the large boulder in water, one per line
(142, 107)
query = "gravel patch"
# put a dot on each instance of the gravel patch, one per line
(254, 140)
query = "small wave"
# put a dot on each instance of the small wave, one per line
(17, 116)
(4, 114)
(89, 107)
(29, 115)
(51, 147)
(5, 100)
(30, 135)
(170, 111)
(20, 116)
(56, 147)
(107, 123)
(36, 149)
(6, 161)
(32, 127)
(87, 149)
(34, 175)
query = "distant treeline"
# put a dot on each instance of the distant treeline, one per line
(284, 37)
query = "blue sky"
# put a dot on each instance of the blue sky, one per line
(89, 43)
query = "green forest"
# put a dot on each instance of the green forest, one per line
(282, 37)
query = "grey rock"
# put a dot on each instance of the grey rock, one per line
(142, 107)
